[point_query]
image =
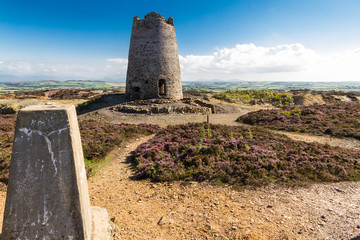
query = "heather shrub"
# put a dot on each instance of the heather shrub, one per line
(100, 137)
(6, 141)
(339, 120)
(240, 156)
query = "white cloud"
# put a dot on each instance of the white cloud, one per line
(335, 67)
(118, 60)
(248, 59)
(292, 62)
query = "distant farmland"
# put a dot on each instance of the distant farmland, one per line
(71, 84)
(208, 86)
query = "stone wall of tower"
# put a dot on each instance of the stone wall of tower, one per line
(153, 67)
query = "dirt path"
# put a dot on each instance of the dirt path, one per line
(164, 120)
(230, 112)
(349, 143)
(2, 206)
(145, 210)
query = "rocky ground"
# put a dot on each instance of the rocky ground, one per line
(167, 106)
(228, 114)
(189, 210)
(308, 97)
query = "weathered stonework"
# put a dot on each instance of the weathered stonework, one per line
(167, 106)
(47, 195)
(153, 67)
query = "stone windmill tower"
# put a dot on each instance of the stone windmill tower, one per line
(153, 67)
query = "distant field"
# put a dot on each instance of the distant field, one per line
(71, 84)
(222, 86)
(207, 86)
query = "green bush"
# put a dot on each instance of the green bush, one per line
(256, 97)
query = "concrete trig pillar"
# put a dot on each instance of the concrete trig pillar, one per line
(47, 195)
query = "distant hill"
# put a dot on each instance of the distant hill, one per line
(236, 85)
(52, 84)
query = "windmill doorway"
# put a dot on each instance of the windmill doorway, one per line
(136, 93)
(162, 87)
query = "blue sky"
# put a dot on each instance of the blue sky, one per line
(243, 39)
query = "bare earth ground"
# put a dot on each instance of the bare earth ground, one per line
(146, 210)
(228, 116)
(349, 143)
(20, 103)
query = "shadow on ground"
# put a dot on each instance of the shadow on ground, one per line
(104, 101)
(131, 161)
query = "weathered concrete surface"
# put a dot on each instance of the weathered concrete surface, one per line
(153, 67)
(101, 228)
(47, 195)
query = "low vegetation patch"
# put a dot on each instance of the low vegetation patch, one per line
(98, 139)
(256, 97)
(241, 156)
(339, 120)
(6, 142)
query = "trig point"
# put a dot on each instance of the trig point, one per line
(47, 195)
(153, 67)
